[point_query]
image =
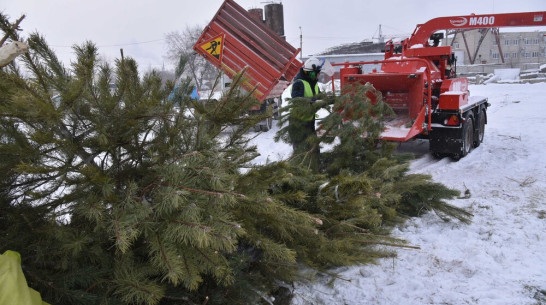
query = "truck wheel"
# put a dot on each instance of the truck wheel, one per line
(468, 137)
(481, 129)
(438, 155)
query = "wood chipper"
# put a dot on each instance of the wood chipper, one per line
(418, 80)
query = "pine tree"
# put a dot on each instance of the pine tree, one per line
(129, 197)
(124, 196)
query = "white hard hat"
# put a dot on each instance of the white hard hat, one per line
(312, 64)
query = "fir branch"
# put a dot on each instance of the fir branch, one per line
(233, 225)
(186, 265)
(163, 255)
(183, 156)
(44, 282)
(205, 256)
(215, 194)
(375, 242)
(185, 299)
(193, 225)
(361, 230)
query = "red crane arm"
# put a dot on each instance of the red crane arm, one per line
(423, 31)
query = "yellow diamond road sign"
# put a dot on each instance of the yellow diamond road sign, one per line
(214, 47)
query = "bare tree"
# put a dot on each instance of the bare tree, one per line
(180, 52)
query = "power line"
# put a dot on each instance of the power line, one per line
(129, 44)
(117, 45)
(333, 37)
(396, 31)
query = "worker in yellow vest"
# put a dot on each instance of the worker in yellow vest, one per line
(302, 115)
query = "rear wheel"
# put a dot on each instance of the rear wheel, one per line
(478, 139)
(438, 155)
(468, 137)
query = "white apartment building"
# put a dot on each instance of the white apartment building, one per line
(488, 49)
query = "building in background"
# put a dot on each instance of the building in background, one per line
(483, 50)
(274, 16)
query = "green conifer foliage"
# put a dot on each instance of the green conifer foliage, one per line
(127, 197)
(366, 166)
(115, 193)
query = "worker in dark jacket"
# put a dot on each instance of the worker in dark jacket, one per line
(305, 83)
(302, 115)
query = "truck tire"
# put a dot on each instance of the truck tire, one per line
(468, 138)
(478, 139)
(438, 155)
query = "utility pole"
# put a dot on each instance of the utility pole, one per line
(380, 37)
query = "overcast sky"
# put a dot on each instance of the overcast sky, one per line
(139, 27)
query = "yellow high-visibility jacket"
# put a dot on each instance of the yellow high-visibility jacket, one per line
(13, 285)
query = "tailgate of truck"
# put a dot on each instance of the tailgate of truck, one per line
(234, 40)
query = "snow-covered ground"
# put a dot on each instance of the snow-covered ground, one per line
(498, 259)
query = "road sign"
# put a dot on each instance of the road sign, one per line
(214, 47)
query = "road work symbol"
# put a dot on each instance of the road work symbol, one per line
(214, 47)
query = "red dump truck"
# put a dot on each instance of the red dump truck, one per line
(235, 40)
(417, 77)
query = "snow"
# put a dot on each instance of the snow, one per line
(10, 50)
(500, 258)
(507, 74)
